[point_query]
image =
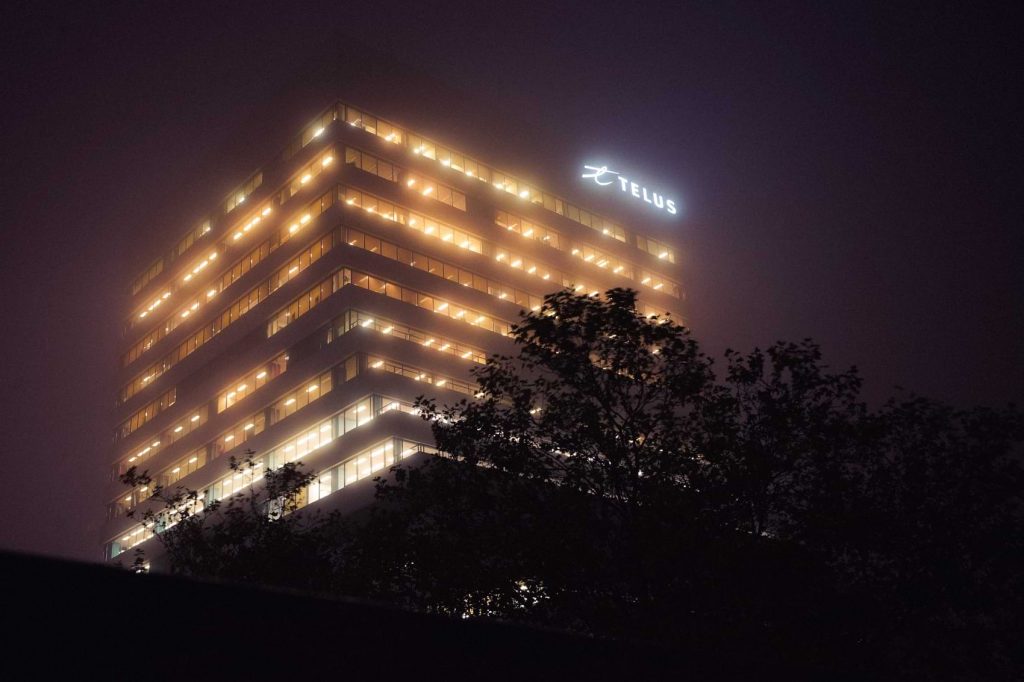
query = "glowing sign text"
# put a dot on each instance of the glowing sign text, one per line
(604, 177)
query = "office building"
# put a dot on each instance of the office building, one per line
(362, 267)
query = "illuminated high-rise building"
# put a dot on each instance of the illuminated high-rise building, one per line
(364, 266)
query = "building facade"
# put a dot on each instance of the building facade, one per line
(364, 266)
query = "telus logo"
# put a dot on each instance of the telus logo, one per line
(604, 177)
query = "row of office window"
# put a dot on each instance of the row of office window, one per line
(248, 383)
(352, 417)
(368, 163)
(357, 414)
(310, 391)
(148, 308)
(253, 380)
(296, 223)
(312, 297)
(427, 187)
(191, 239)
(422, 223)
(236, 270)
(472, 168)
(370, 461)
(659, 283)
(357, 318)
(398, 214)
(188, 464)
(253, 424)
(145, 414)
(306, 301)
(315, 295)
(603, 260)
(311, 438)
(191, 462)
(158, 301)
(514, 223)
(142, 280)
(439, 268)
(193, 236)
(362, 465)
(232, 313)
(229, 277)
(426, 148)
(594, 256)
(242, 192)
(306, 175)
(165, 438)
(299, 218)
(530, 229)
(237, 198)
(157, 267)
(311, 132)
(432, 189)
(282, 407)
(428, 302)
(351, 469)
(395, 213)
(655, 248)
(408, 371)
(371, 124)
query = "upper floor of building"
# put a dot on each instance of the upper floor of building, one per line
(426, 174)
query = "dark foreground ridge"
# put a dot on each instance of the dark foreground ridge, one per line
(64, 619)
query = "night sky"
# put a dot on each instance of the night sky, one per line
(848, 174)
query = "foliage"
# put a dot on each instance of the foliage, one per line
(604, 480)
(250, 537)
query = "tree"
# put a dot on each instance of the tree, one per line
(603, 480)
(790, 428)
(250, 537)
(934, 533)
(585, 486)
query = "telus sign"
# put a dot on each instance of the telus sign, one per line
(604, 177)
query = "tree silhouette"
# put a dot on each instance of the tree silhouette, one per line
(604, 480)
(251, 537)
